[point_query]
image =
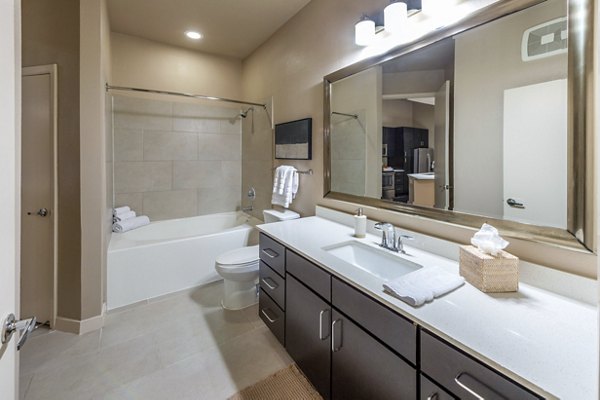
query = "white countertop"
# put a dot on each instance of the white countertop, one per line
(545, 341)
(422, 177)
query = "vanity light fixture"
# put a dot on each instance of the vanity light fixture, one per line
(364, 31)
(193, 35)
(395, 17)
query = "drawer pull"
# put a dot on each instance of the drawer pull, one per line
(334, 347)
(264, 312)
(270, 286)
(465, 387)
(433, 397)
(323, 335)
(270, 253)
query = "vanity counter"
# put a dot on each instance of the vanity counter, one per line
(542, 340)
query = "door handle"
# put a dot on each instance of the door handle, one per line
(334, 347)
(514, 203)
(11, 325)
(322, 335)
(42, 212)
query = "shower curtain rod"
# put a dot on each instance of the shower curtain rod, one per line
(194, 96)
(345, 115)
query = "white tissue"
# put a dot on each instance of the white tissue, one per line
(487, 240)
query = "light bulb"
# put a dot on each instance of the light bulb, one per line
(395, 17)
(364, 31)
(193, 35)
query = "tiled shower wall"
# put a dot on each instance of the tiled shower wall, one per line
(175, 160)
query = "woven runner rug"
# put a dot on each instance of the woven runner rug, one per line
(286, 384)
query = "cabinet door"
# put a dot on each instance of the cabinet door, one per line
(363, 368)
(307, 324)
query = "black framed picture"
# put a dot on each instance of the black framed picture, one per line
(293, 140)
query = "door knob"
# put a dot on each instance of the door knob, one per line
(11, 325)
(42, 212)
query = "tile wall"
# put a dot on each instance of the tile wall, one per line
(176, 160)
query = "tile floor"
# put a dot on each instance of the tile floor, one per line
(181, 347)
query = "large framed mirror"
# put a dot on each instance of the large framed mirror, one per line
(486, 120)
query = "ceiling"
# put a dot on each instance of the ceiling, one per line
(432, 57)
(233, 28)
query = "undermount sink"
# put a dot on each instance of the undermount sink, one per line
(376, 261)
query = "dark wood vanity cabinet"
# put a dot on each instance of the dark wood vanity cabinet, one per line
(352, 347)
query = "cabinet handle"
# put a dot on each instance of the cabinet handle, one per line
(322, 335)
(433, 397)
(269, 251)
(264, 312)
(265, 281)
(335, 348)
(465, 387)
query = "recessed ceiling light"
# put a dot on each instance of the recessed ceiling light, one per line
(193, 35)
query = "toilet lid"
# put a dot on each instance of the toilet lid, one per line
(244, 255)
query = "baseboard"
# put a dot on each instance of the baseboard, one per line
(79, 327)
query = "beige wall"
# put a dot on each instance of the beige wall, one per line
(44, 43)
(143, 63)
(481, 77)
(290, 67)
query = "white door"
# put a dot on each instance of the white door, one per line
(10, 75)
(38, 196)
(441, 146)
(535, 145)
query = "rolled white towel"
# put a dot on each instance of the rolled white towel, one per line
(120, 210)
(123, 216)
(423, 285)
(130, 224)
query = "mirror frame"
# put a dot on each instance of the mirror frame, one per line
(580, 232)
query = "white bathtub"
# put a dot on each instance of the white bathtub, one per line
(168, 256)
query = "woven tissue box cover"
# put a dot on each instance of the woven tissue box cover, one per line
(490, 274)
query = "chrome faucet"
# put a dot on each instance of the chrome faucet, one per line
(389, 239)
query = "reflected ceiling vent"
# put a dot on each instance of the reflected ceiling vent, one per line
(545, 40)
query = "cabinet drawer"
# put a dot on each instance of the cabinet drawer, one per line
(272, 253)
(273, 284)
(431, 391)
(272, 316)
(463, 375)
(309, 274)
(397, 332)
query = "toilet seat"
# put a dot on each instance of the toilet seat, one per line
(242, 257)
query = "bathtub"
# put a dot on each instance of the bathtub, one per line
(172, 255)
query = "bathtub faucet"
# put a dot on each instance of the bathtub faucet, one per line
(251, 195)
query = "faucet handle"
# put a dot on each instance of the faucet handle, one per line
(384, 226)
(406, 237)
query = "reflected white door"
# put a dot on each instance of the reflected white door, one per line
(535, 145)
(9, 180)
(442, 146)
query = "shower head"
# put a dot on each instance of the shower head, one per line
(244, 114)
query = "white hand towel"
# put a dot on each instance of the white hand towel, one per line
(284, 184)
(423, 285)
(295, 184)
(130, 224)
(278, 178)
(124, 216)
(121, 210)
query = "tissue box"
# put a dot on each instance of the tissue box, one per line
(490, 274)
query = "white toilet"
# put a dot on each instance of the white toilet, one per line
(239, 268)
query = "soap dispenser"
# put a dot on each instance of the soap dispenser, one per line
(360, 224)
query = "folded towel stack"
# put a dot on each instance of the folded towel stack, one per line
(125, 219)
(285, 186)
(423, 285)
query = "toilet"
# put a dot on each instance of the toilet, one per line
(239, 268)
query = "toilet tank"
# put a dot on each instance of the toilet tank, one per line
(276, 216)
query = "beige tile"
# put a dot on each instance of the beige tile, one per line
(196, 174)
(128, 145)
(203, 110)
(131, 177)
(218, 199)
(162, 146)
(219, 147)
(232, 126)
(136, 113)
(231, 173)
(132, 200)
(196, 124)
(24, 382)
(171, 204)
